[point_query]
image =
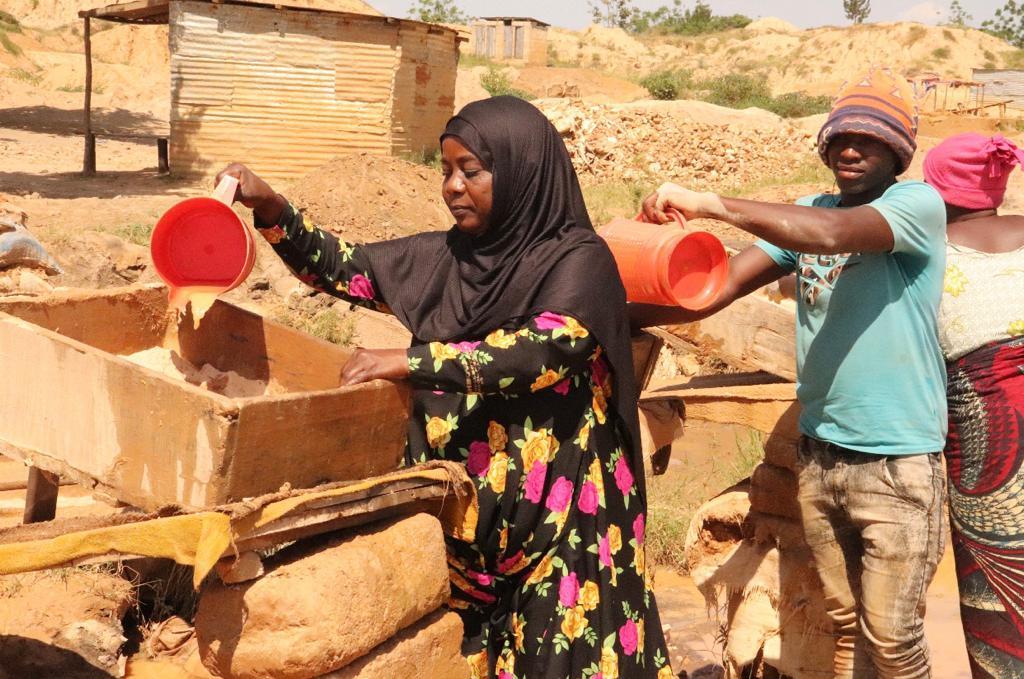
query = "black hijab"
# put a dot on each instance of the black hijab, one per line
(539, 253)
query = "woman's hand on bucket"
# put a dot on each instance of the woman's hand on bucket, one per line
(255, 193)
(691, 204)
(375, 364)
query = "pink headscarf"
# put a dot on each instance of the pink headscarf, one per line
(970, 170)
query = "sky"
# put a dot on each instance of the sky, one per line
(803, 13)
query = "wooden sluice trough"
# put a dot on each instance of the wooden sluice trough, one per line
(76, 407)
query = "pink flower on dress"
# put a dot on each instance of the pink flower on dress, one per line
(638, 528)
(505, 675)
(569, 590)
(479, 459)
(588, 498)
(535, 482)
(560, 495)
(604, 551)
(360, 286)
(465, 347)
(628, 637)
(549, 321)
(481, 578)
(623, 476)
(562, 388)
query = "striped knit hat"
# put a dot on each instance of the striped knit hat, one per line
(878, 104)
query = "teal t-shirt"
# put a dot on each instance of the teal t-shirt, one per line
(870, 374)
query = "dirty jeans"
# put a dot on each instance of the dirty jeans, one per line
(874, 525)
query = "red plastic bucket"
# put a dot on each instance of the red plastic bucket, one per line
(663, 264)
(202, 243)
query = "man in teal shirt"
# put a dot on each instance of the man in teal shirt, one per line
(869, 264)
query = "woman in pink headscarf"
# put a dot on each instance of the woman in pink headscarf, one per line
(981, 331)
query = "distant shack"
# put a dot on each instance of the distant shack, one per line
(285, 88)
(998, 85)
(515, 39)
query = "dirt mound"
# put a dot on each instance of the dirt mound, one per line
(577, 82)
(817, 61)
(632, 143)
(368, 198)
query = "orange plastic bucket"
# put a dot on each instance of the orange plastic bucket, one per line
(663, 264)
(201, 243)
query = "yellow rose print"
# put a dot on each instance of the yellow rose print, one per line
(306, 225)
(640, 560)
(574, 623)
(517, 630)
(478, 665)
(614, 538)
(506, 663)
(439, 432)
(666, 673)
(609, 663)
(498, 472)
(640, 634)
(584, 438)
(600, 405)
(443, 352)
(542, 571)
(1016, 328)
(497, 437)
(273, 235)
(499, 339)
(574, 330)
(594, 474)
(956, 281)
(548, 378)
(503, 539)
(590, 595)
(523, 562)
(539, 447)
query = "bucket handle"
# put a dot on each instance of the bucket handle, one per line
(225, 191)
(674, 214)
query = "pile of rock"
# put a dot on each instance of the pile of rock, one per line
(656, 143)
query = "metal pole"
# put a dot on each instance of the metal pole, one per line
(89, 161)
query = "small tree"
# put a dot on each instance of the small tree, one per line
(1008, 23)
(857, 10)
(438, 12)
(612, 13)
(958, 16)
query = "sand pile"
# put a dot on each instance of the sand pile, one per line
(363, 197)
(631, 143)
(229, 383)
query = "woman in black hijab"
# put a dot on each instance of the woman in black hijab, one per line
(521, 369)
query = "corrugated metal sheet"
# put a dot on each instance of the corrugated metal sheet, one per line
(1001, 85)
(285, 91)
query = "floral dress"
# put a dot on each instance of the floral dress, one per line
(555, 583)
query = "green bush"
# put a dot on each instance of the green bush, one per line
(798, 105)
(737, 91)
(675, 20)
(667, 84)
(496, 82)
(941, 53)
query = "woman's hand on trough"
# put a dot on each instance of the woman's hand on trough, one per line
(375, 364)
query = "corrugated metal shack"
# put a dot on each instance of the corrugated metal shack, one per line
(286, 88)
(999, 85)
(517, 39)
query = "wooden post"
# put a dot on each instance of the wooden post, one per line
(41, 496)
(89, 161)
(163, 158)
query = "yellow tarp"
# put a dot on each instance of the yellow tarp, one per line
(203, 538)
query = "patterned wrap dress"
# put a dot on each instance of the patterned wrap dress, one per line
(981, 331)
(555, 583)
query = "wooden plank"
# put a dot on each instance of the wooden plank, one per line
(753, 333)
(148, 11)
(41, 496)
(764, 407)
(89, 160)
